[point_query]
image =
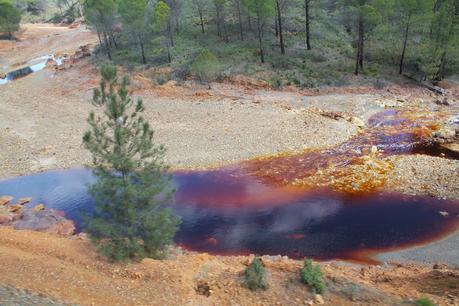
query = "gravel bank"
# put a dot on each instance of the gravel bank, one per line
(421, 174)
(10, 296)
(43, 116)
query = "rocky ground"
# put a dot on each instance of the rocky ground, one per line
(68, 270)
(10, 296)
(42, 118)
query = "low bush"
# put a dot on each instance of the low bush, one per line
(255, 275)
(311, 275)
(424, 302)
(205, 66)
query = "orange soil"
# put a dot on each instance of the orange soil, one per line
(69, 270)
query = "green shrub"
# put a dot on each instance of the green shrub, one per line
(311, 275)
(424, 302)
(255, 275)
(205, 66)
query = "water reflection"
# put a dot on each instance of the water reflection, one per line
(228, 212)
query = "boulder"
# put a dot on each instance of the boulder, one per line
(48, 220)
(6, 216)
(23, 201)
(318, 299)
(4, 200)
(358, 122)
(38, 208)
(15, 208)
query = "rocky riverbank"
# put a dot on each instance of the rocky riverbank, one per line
(37, 218)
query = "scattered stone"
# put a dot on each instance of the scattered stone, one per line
(374, 150)
(440, 266)
(6, 216)
(203, 288)
(38, 208)
(318, 299)
(23, 201)
(4, 200)
(443, 101)
(15, 208)
(444, 213)
(358, 122)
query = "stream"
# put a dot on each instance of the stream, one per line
(290, 204)
(33, 66)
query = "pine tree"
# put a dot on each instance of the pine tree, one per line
(261, 10)
(131, 219)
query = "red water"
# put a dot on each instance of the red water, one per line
(324, 204)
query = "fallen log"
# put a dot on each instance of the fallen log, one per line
(435, 89)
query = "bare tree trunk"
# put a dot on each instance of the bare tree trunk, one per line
(177, 25)
(307, 24)
(241, 29)
(98, 35)
(281, 34)
(112, 37)
(107, 47)
(405, 42)
(359, 48)
(169, 31)
(276, 27)
(202, 22)
(218, 22)
(142, 49)
(169, 54)
(260, 37)
(225, 30)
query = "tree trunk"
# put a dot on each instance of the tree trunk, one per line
(142, 49)
(405, 42)
(225, 31)
(441, 69)
(169, 58)
(307, 24)
(98, 35)
(107, 47)
(169, 31)
(359, 48)
(281, 35)
(241, 29)
(218, 21)
(177, 25)
(202, 22)
(276, 27)
(260, 38)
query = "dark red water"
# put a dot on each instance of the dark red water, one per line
(258, 207)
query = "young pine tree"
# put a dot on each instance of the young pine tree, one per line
(131, 219)
(255, 275)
